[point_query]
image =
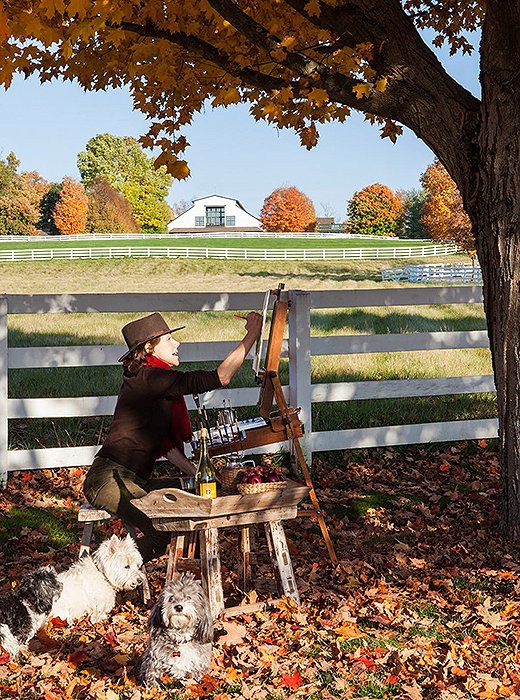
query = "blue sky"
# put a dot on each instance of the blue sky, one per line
(230, 154)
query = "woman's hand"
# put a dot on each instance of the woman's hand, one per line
(254, 324)
(228, 367)
(179, 460)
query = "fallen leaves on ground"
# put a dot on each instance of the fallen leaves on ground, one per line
(425, 603)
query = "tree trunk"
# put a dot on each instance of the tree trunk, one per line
(495, 210)
(500, 261)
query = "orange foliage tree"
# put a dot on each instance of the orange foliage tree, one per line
(302, 63)
(375, 210)
(70, 213)
(443, 213)
(288, 209)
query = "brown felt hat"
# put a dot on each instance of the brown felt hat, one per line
(143, 330)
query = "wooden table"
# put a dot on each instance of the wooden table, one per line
(183, 513)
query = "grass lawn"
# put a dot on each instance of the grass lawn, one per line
(257, 243)
(163, 276)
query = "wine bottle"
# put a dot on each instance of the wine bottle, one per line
(205, 481)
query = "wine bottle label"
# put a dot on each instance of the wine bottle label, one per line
(208, 489)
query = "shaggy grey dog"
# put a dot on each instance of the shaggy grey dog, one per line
(180, 633)
(26, 608)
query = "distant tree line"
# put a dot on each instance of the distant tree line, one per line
(434, 211)
(120, 192)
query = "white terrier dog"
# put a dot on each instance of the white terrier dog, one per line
(181, 633)
(26, 608)
(91, 584)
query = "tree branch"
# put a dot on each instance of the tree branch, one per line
(421, 94)
(206, 51)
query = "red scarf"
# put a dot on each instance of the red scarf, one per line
(180, 429)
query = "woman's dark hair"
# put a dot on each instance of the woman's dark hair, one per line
(137, 357)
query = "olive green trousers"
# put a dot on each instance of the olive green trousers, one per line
(110, 486)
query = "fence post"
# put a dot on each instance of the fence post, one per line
(300, 362)
(3, 392)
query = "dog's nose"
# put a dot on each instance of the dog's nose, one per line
(178, 608)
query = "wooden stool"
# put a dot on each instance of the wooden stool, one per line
(90, 516)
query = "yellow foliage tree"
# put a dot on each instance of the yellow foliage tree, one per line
(302, 63)
(70, 213)
(443, 212)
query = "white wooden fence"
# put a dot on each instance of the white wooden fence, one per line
(227, 253)
(299, 347)
(437, 273)
(203, 233)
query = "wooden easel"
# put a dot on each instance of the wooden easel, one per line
(271, 388)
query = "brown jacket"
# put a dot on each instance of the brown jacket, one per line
(142, 417)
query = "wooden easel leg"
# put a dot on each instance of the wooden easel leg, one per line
(210, 568)
(283, 560)
(283, 408)
(246, 569)
(315, 502)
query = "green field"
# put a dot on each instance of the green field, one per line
(172, 276)
(256, 243)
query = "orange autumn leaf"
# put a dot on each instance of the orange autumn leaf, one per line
(207, 685)
(293, 681)
(348, 631)
(58, 622)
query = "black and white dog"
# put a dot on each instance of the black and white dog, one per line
(27, 608)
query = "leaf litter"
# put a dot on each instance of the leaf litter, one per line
(425, 603)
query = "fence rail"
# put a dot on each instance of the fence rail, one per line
(299, 347)
(227, 253)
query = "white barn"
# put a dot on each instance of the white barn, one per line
(215, 213)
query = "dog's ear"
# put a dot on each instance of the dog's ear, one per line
(204, 629)
(112, 544)
(155, 620)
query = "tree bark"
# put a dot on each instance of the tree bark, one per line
(495, 210)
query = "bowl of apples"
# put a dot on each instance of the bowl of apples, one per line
(260, 478)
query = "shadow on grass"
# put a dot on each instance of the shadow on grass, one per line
(17, 523)
(373, 323)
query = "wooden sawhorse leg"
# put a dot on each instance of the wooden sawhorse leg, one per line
(281, 559)
(178, 543)
(246, 564)
(210, 569)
